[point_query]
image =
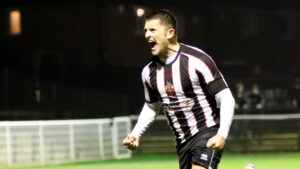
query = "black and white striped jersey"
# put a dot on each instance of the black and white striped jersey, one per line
(186, 88)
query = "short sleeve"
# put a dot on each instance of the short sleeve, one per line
(208, 70)
(151, 95)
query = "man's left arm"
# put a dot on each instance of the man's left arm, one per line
(218, 88)
(226, 104)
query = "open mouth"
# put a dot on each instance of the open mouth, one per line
(152, 44)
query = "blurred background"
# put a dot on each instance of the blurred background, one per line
(82, 59)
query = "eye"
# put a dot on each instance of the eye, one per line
(152, 30)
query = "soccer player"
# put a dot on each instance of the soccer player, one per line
(186, 84)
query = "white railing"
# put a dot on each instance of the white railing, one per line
(245, 117)
(62, 141)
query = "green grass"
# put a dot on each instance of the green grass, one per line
(262, 161)
(169, 161)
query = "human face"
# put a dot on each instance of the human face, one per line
(156, 36)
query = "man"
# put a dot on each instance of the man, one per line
(185, 83)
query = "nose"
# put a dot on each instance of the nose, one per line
(147, 34)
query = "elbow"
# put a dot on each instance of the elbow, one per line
(225, 97)
(232, 101)
(232, 104)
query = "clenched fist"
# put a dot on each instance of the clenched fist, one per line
(131, 142)
(216, 142)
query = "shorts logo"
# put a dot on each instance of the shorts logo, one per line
(204, 157)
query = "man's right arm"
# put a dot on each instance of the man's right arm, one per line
(146, 117)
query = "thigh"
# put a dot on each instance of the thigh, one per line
(184, 157)
(206, 158)
(203, 156)
(197, 167)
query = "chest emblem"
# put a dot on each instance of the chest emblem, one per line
(170, 89)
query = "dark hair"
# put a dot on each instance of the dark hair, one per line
(165, 16)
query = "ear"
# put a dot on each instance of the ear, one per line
(170, 33)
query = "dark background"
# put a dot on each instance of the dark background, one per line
(83, 58)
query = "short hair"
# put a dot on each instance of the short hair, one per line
(165, 16)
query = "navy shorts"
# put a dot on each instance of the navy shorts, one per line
(194, 151)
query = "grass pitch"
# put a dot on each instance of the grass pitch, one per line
(169, 161)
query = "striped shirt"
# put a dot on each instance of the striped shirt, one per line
(186, 88)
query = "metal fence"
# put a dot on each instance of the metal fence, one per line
(62, 141)
(248, 133)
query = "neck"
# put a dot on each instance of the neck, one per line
(172, 49)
